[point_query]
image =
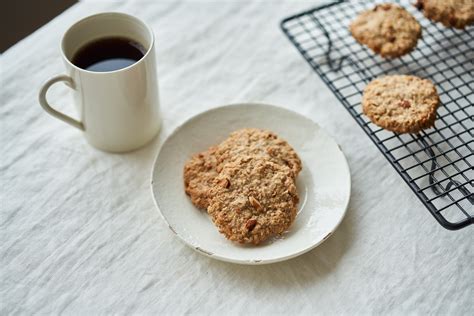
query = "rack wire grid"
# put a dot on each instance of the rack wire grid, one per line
(436, 163)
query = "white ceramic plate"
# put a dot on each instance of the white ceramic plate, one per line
(323, 185)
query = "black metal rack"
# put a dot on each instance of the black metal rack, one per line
(437, 163)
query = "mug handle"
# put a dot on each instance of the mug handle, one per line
(44, 102)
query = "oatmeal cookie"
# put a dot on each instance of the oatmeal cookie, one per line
(387, 29)
(258, 142)
(452, 13)
(253, 200)
(199, 173)
(202, 168)
(401, 103)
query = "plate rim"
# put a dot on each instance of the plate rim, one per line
(237, 261)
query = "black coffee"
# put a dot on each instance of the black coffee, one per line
(108, 54)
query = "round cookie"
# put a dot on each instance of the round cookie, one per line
(258, 142)
(387, 29)
(457, 14)
(401, 103)
(253, 200)
(199, 173)
(202, 168)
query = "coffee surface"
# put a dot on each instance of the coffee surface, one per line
(108, 54)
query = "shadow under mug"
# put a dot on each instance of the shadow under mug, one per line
(119, 110)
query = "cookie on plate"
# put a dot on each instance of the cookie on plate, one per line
(454, 13)
(199, 174)
(255, 199)
(387, 29)
(401, 103)
(258, 142)
(202, 168)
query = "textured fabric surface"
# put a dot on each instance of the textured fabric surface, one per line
(80, 233)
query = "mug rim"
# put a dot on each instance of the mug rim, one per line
(128, 16)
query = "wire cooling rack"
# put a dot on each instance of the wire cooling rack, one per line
(437, 163)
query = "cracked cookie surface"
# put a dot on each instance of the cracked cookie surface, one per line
(258, 142)
(388, 29)
(253, 200)
(401, 103)
(201, 170)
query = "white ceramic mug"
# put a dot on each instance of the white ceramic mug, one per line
(119, 110)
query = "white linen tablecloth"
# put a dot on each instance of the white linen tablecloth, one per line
(79, 230)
